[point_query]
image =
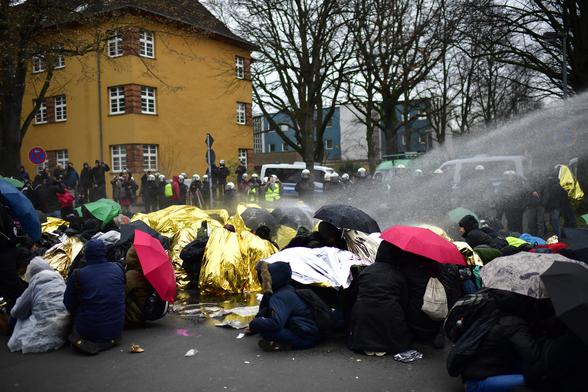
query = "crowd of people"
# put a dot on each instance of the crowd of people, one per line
(501, 340)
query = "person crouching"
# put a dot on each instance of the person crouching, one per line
(284, 320)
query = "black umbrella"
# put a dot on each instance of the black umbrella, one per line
(567, 285)
(255, 217)
(127, 234)
(577, 239)
(347, 217)
(294, 216)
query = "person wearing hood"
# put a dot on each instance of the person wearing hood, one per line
(378, 324)
(177, 192)
(95, 296)
(284, 320)
(149, 190)
(469, 229)
(327, 235)
(85, 182)
(42, 320)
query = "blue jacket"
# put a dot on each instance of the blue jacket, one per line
(97, 299)
(284, 309)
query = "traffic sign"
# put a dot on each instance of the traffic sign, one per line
(37, 155)
(209, 140)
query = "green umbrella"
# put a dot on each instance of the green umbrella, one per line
(13, 181)
(585, 217)
(456, 214)
(104, 210)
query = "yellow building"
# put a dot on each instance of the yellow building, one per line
(163, 79)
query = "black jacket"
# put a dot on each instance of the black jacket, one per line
(48, 198)
(554, 197)
(474, 236)
(378, 320)
(97, 174)
(507, 345)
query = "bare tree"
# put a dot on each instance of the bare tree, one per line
(302, 50)
(398, 44)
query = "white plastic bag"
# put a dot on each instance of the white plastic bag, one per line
(435, 300)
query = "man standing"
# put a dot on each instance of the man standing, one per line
(85, 183)
(305, 187)
(241, 169)
(71, 178)
(98, 180)
(223, 173)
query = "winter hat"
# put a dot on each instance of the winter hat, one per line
(469, 223)
(95, 251)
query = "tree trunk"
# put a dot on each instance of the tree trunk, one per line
(10, 129)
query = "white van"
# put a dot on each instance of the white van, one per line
(289, 175)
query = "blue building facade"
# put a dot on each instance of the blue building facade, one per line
(272, 142)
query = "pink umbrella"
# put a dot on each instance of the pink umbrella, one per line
(156, 265)
(423, 242)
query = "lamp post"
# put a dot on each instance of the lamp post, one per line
(555, 36)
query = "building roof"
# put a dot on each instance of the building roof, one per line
(188, 12)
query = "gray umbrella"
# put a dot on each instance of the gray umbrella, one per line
(520, 273)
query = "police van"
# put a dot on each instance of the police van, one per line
(289, 175)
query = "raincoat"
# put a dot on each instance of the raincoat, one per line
(42, 320)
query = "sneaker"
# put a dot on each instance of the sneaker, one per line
(274, 346)
(380, 353)
(370, 353)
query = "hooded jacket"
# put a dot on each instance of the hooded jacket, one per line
(95, 296)
(42, 320)
(137, 289)
(378, 321)
(284, 309)
(474, 236)
(177, 193)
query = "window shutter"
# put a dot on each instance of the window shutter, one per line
(130, 41)
(249, 114)
(247, 68)
(50, 103)
(132, 98)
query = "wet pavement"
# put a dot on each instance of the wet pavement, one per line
(222, 361)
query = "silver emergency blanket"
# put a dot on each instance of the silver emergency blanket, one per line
(363, 245)
(326, 266)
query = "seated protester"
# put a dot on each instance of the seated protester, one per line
(284, 320)
(470, 230)
(327, 235)
(505, 351)
(264, 233)
(378, 324)
(137, 290)
(95, 296)
(42, 321)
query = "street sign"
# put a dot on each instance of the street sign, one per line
(37, 155)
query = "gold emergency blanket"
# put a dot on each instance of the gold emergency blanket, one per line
(52, 224)
(472, 258)
(229, 260)
(437, 230)
(570, 184)
(62, 255)
(180, 224)
(243, 206)
(284, 235)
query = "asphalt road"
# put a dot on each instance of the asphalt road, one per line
(222, 363)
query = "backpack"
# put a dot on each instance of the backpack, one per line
(467, 324)
(154, 307)
(322, 314)
(168, 190)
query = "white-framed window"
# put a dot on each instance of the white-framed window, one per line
(271, 147)
(61, 158)
(284, 128)
(38, 63)
(243, 155)
(330, 122)
(115, 44)
(150, 156)
(422, 116)
(240, 67)
(258, 123)
(241, 113)
(41, 116)
(119, 157)
(284, 147)
(117, 99)
(328, 144)
(60, 108)
(59, 58)
(146, 44)
(403, 140)
(266, 125)
(148, 100)
(422, 139)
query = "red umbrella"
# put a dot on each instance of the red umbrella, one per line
(156, 265)
(423, 242)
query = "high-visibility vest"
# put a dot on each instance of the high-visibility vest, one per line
(252, 193)
(272, 194)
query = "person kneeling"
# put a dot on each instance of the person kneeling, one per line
(284, 320)
(95, 296)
